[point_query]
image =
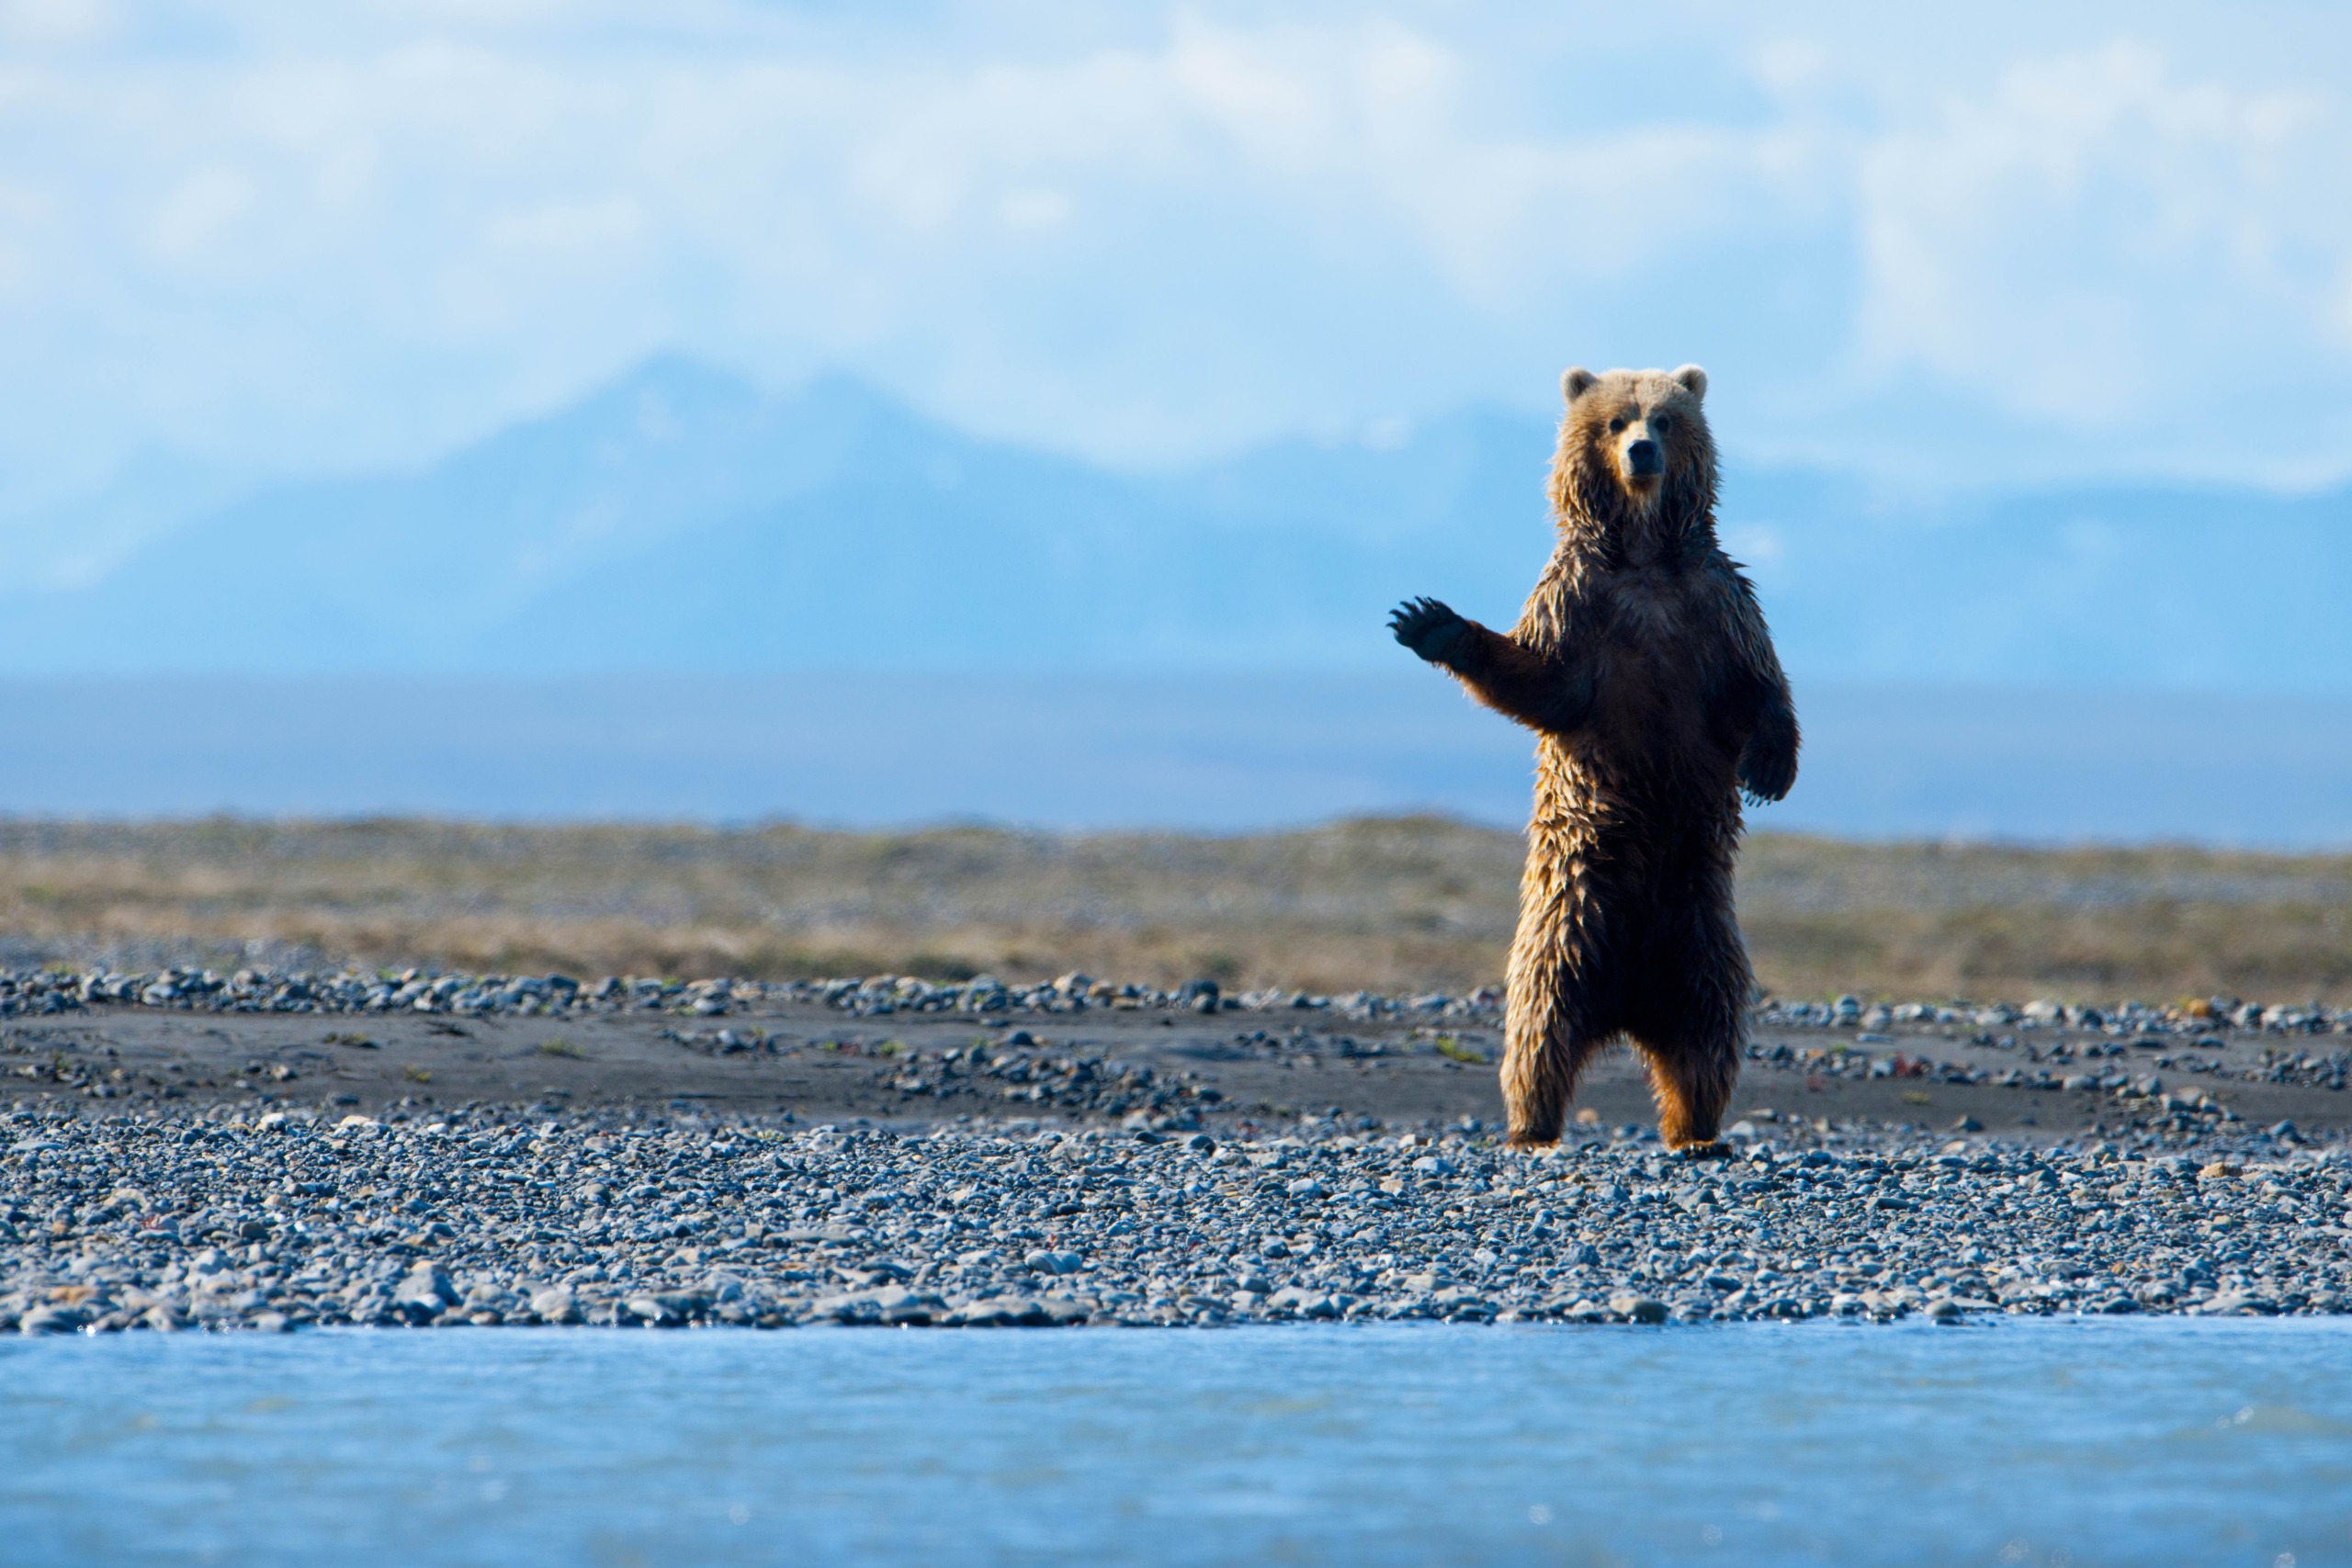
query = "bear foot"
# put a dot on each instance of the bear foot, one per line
(1714, 1148)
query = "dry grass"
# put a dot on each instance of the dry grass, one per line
(2081, 924)
(1388, 904)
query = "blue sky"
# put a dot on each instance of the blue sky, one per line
(2024, 243)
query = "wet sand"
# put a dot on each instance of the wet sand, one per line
(1251, 1069)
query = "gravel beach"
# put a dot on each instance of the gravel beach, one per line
(271, 1151)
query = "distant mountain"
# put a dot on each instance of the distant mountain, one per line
(74, 543)
(2123, 587)
(682, 519)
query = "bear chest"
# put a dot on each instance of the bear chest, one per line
(1651, 672)
(1652, 636)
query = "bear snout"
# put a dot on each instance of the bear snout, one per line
(1644, 460)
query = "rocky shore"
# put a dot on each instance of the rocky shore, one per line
(1083, 1154)
(160, 1222)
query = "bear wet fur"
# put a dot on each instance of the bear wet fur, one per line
(1642, 662)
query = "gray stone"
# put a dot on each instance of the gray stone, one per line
(424, 1294)
(555, 1305)
(663, 1310)
(51, 1320)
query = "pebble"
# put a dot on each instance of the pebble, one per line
(480, 1217)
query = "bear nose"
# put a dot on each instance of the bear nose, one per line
(1644, 458)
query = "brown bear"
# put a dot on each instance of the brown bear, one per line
(1642, 664)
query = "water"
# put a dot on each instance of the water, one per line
(1218, 752)
(2040, 1442)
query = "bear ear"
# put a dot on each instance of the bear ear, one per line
(1577, 382)
(1693, 381)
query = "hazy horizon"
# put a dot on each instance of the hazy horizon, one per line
(1206, 753)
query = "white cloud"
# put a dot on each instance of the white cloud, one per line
(200, 209)
(555, 214)
(2097, 237)
(1761, 545)
(56, 21)
(329, 237)
(1033, 208)
(562, 226)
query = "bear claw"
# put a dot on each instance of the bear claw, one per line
(1714, 1148)
(1430, 628)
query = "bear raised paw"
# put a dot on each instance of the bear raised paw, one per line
(1642, 662)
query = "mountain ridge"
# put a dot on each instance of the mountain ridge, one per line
(680, 517)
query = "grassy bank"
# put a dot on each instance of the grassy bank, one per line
(1387, 904)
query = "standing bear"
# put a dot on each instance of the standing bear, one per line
(1643, 666)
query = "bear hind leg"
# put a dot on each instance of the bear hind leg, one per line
(1692, 1081)
(1542, 1059)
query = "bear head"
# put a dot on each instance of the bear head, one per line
(1640, 434)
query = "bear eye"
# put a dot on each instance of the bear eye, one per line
(1662, 422)
(1617, 425)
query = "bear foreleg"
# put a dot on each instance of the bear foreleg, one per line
(1497, 668)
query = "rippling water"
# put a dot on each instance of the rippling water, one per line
(2052, 1442)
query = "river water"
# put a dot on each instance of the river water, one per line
(2063, 1442)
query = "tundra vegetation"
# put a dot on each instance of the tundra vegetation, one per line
(1390, 905)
